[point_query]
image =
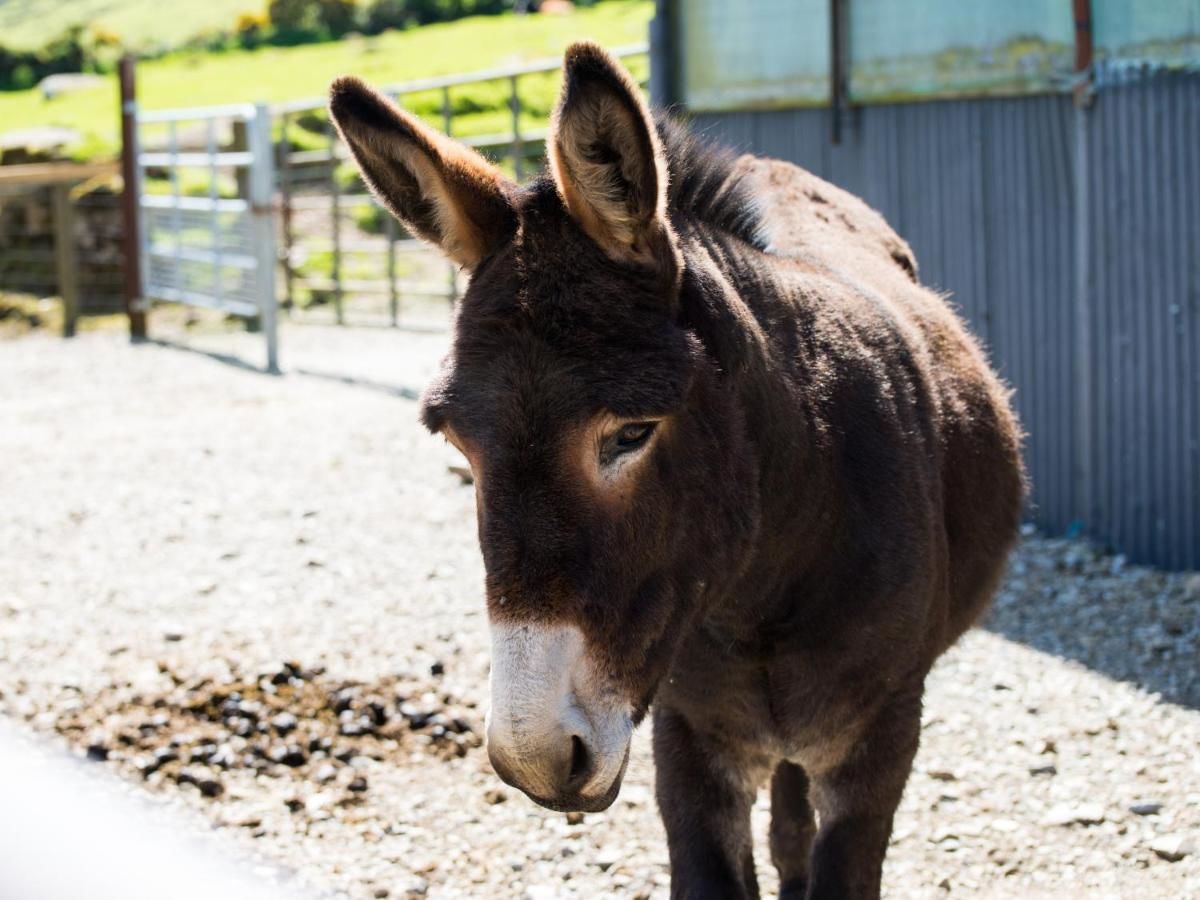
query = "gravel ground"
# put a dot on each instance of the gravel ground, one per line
(259, 597)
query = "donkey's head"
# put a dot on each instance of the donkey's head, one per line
(603, 444)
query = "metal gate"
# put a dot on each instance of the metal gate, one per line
(344, 258)
(205, 212)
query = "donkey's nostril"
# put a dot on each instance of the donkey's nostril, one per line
(581, 762)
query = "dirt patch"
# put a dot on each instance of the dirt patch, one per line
(292, 723)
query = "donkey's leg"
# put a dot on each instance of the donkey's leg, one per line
(856, 801)
(792, 829)
(705, 799)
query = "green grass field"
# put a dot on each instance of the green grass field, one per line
(275, 74)
(28, 24)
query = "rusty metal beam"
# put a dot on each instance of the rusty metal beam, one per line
(1084, 52)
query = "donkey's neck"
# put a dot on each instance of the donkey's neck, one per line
(757, 322)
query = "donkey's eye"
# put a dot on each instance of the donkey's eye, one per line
(633, 435)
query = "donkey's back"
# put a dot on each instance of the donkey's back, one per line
(977, 437)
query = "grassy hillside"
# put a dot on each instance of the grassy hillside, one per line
(277, 73)
(139, 23)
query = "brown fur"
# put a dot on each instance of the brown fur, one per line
(609, 169)
(442, 191)
(826, 504)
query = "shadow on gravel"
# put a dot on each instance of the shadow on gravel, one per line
(1133, 624)
(227, 358)
(407, 327)
(392, 390)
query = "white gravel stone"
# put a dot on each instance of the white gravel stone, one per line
(1173, 847)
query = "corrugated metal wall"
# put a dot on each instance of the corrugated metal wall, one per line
(1087, 292)
(1143, 283)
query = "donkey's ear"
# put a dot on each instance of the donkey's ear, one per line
(441, 190)
(606, 156)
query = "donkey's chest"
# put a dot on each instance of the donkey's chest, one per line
(791, 707)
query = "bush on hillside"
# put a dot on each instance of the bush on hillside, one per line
(429, 11)
(294, 21)
(102, 48)
(22, 77)
(22, 69)
(94, 49)
(338, 17)
(66, 52)
(251, 29)
(383, 15)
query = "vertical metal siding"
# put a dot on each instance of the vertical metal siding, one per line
(1145, 246)
(984, 190)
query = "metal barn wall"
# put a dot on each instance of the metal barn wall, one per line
(1143, 283)
(1071, 242)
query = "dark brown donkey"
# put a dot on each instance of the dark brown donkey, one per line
(732, 462)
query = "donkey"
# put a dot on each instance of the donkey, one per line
(733, 465)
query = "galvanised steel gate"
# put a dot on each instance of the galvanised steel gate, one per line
(205, 211)
(341, 252)
(206, 206)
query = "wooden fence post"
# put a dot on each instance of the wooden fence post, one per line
(134, 302)
(65, 257)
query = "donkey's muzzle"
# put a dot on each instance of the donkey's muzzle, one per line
(555, 730)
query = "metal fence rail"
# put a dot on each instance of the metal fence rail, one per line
(339, 245)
